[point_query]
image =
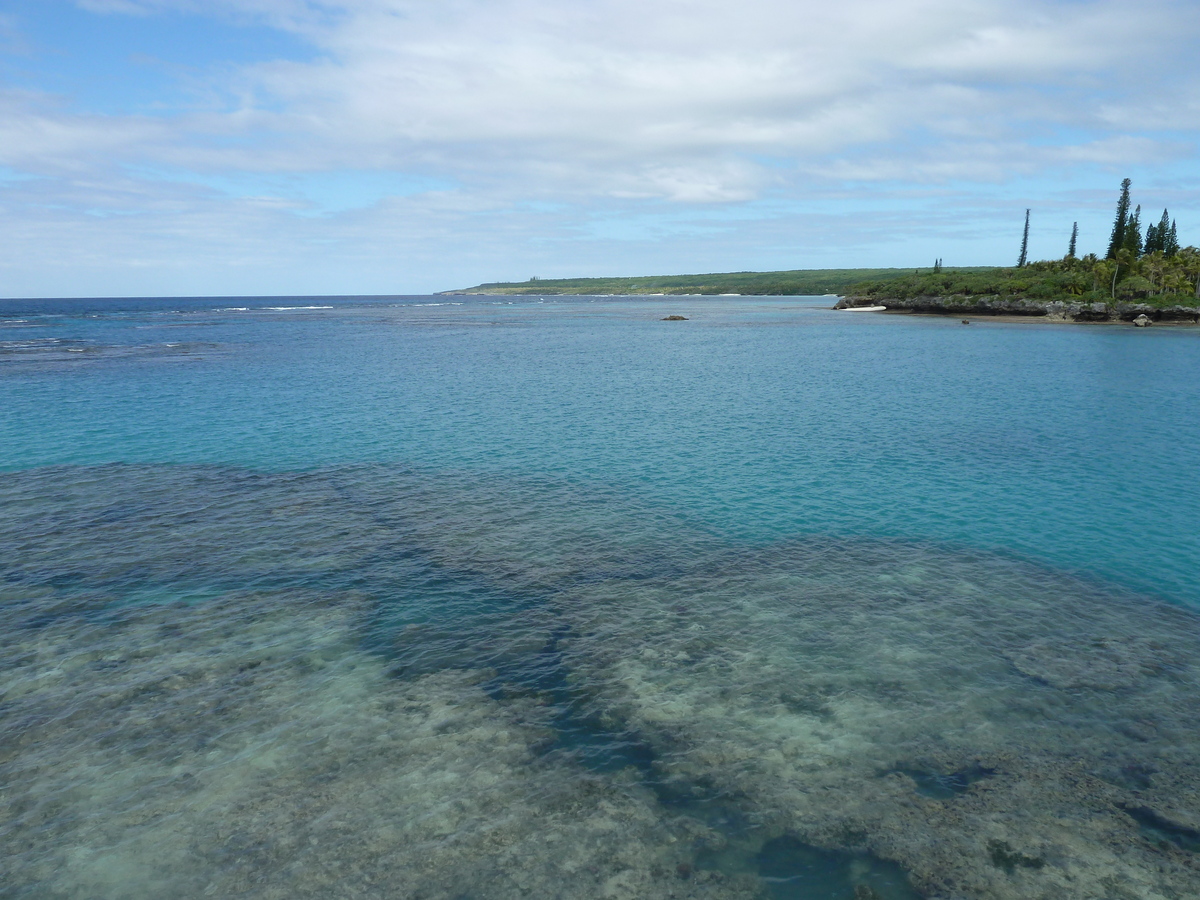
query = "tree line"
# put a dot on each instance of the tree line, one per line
(1127, 231)
(1137, 264)
(1141, 266)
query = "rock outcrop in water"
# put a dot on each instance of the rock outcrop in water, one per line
(1050, 310)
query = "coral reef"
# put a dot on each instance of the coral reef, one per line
(381, 683)
(825, 713)
(246, 747)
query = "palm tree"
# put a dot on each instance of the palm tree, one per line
(1155, 266)
(1175, 282)
(1124, 258)
(1106, 270)
(1189, 263)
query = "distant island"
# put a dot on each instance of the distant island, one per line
(1080, 290)
(793, 282)
(1147, 276)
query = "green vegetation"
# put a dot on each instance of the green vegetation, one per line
(1162, 238)
(1024, 243)
(1153, 271)
(797, 282)
(1117, 241)
(1155, 278)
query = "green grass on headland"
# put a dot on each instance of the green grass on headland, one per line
(1152, 278)
(797, 282)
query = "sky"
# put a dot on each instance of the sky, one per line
(305, 147)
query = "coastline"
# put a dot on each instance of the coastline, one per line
(785, 283)
(1026, 310)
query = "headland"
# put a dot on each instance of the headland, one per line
(1089, 289)
(792, 282)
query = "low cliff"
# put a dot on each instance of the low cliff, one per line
(1054, 310)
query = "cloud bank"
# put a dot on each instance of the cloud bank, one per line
(611, 122)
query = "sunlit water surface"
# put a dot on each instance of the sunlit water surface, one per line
(462, 597)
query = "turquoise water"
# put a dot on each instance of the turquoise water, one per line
(451, 597)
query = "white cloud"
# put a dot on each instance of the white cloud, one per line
(607, 105)
(41, 135)
(674, 99)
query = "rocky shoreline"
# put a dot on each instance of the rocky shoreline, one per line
(1054, 311)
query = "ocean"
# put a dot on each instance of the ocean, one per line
(474, 597)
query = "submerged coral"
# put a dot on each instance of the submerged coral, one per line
(248, 748)
(826, 712)
(382, 684)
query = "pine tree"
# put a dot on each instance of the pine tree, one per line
(1156, 235)
(1133, 233)
(1171, 241)
(1117, 241)
(1153, 239)
(1074, 237)
(1024, 243)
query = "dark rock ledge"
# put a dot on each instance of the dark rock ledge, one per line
(1051, 310)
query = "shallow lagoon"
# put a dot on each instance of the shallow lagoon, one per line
(555, 599)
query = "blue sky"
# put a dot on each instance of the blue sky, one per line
(389, 146)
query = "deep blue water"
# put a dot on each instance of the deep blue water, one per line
(470, 596)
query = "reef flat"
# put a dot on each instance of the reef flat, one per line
(385, 682)
(996, 735)
(247, 748)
